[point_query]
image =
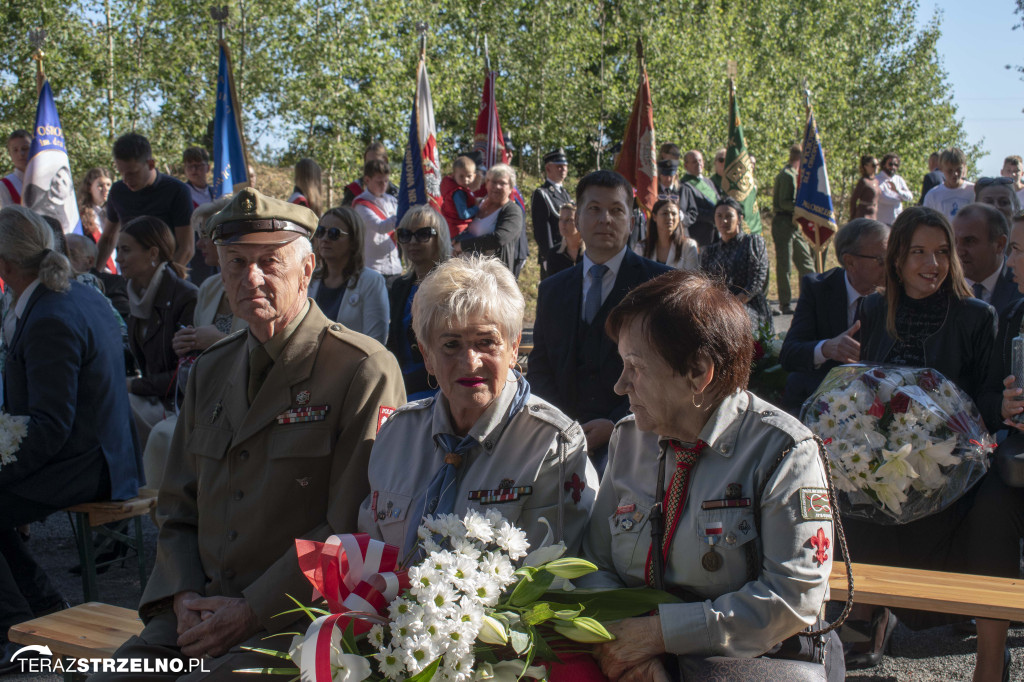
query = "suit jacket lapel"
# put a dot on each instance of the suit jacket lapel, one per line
(837, 292)
(293, 366)
(161, 304)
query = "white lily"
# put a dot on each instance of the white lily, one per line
(508, 671)
(927, 461)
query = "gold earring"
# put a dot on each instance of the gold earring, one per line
(693, 399)
(518, 367)
(435, 386)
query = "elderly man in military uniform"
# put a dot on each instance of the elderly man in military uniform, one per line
(272, 444)
(545, 204)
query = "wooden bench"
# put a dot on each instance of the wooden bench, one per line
(977, 596)
(89, 519)
(90, 630)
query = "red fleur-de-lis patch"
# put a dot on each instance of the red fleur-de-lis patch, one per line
(577, 486)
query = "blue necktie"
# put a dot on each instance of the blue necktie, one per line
(441, 491)
(979, 291)
(593, 301)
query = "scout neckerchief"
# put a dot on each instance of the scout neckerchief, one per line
(675, 500)
(440, 494)
(702, 186)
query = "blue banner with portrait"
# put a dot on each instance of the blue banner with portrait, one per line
(813, 194)
(230, 170)
(48, 189)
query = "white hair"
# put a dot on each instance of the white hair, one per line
(463, 288)
(26, 242)
(502, 170)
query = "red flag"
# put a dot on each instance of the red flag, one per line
(487, 137)
(636, 160)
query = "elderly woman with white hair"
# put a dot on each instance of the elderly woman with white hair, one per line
(499, 223)
(484, 442)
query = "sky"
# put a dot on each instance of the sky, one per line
(988, 99)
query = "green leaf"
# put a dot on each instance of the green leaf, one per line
(527, 592)
(348, 639)
(269, 652)
(427, 673)
(541, 648)
(519, 637)
(538, 613)
(606, 605)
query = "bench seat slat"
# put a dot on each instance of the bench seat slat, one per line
(968, 595)
(90, 630)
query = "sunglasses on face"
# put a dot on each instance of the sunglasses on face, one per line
(422, 235)
(332, 233)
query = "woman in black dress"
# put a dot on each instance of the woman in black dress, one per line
(927, 317)
(741, 260)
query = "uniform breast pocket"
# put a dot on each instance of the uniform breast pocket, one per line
(630, 536)
(209, 441)
(299, 441)
(731, 533)
(391, 512)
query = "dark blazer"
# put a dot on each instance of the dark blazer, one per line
(932, 179)
(173, 308)
(504, 241)
(115, 287)
(65, 371)
(961, 350)
(1005, 294)
(990, 399)
(820, 314)
(415, 381)
(547, 200)
(574, 365)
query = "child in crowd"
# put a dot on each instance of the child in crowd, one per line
(955, 193)
(459, 202)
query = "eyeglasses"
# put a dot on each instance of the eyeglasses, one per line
(422, 235)
(878, 259)
(332, 233)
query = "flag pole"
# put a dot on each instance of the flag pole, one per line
(818, 261)
(487, 58)
(421, 29)
(38, 37)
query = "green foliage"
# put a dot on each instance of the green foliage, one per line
(324, 78)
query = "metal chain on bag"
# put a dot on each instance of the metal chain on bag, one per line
(837, 525)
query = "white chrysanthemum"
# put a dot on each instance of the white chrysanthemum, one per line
(460, 665)
(442, 599)
(478, 527)
(402, 607)
(466, 547)
(512, 540)
(826, 426)
(487, 592)
(462, 572)
(376, 636)
(469, 617)
(390, 663)
(493, 516)
(497, 566)
(418, 652)
(422, 578)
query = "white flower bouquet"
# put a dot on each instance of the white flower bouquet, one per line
(13, 429)
(465, 612)
(903, 443)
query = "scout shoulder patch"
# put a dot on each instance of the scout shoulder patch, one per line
(382, 415)
(814, 505)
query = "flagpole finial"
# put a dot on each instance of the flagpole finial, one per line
(421, 29)
(220, 15)
(640, 49)
(730, 68)
(37, 38)
(806, 93)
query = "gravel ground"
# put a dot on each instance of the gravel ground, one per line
(935, 655)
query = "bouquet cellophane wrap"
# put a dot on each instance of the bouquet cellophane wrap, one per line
(903, 443)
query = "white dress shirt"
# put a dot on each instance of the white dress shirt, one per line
(890, 202)
(380, 253)
(852, 297)
(607, 282)
(989, 284)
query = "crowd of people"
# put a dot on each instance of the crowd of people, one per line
(294, 370)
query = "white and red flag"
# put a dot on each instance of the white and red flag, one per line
(421, 166)
(636, 160)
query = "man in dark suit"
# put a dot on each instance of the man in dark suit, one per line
(65, 372)
(933, 178)
(547, 200)
(824, 332)
(982, 234)
(574, 364)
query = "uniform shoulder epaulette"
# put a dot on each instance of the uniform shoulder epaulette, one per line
(785, 422)
(421, 404)
(229, 339)
(361, 341)
(551, 415)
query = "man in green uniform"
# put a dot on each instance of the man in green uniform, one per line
(272, 444)
(790, 246)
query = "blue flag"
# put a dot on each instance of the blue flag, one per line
(230, 171)
(813, 195)
(421, 168)
(49, 189)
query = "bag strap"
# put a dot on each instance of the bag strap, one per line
(836, 522)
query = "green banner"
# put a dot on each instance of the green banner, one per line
(739, 173)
